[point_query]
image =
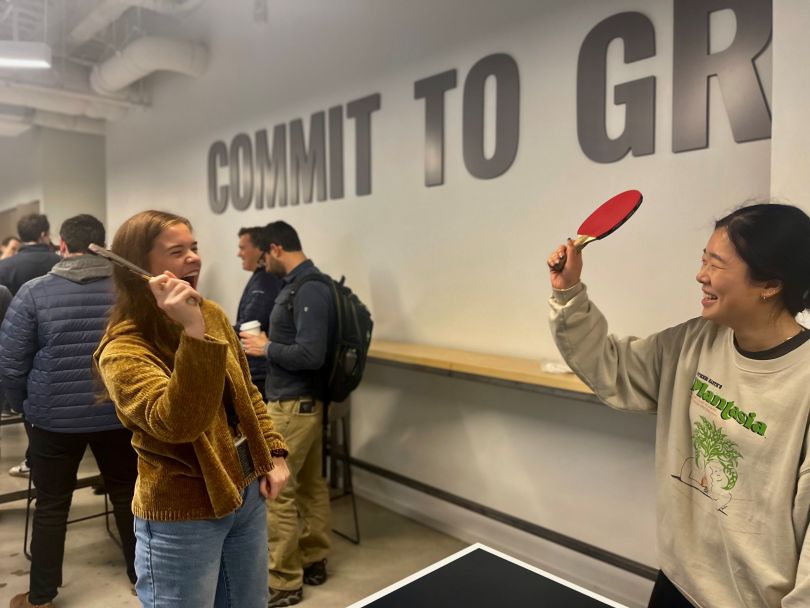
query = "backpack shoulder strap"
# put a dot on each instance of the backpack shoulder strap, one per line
(315, 276)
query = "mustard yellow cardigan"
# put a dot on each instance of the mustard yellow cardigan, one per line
(187, 463)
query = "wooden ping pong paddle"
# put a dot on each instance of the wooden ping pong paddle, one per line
(124, 263)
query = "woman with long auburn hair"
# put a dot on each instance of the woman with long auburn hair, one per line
(207, 451)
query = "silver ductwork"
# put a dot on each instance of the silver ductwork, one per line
(109, 11)
(144, 56)
(63, 100)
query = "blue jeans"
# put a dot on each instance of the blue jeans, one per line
(203, 563)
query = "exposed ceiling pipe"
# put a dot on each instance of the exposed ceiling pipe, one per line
(75, 124)
(12, 125)
(63, 102)
(144, 56)
(109, 11)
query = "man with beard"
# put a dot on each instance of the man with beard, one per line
(302, 328)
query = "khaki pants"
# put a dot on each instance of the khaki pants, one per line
(298, 520)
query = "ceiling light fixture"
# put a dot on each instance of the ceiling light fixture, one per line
(23, 54)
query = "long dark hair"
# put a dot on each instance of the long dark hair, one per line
(135, 302)
(774, 241)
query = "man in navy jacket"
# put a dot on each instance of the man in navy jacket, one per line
(37, 259)
(47, 340)
(35, 256)
(259, 295)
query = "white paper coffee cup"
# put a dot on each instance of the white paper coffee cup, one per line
(251, 327)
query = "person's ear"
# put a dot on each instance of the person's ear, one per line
(772, 289)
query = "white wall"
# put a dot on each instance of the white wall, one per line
(462, 264)
(20, 163)
(74, 176)
(790, 157)
(63, 170)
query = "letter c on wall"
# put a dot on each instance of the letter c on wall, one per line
(217, 195)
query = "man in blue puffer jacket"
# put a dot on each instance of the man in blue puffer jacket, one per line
(47, 340)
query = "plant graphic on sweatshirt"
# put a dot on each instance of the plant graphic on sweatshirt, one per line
(713, 468)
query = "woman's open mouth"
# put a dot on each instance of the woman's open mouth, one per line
(191, 278)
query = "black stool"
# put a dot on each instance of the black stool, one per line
(32, 496)
(339, 460)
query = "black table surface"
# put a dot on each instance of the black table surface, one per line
(481, 579)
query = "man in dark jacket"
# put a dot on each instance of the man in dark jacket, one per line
(302, 328)
(47, 340)
(35, 256)
(34, 259)
(5, 300)
(259, 294)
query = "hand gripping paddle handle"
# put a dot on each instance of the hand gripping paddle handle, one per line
(579, 244)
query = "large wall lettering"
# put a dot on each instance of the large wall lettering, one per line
(288, 168)
(252, 171)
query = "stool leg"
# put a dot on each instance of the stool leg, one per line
(107, 513)
(347, 477)
(342, 451)
(332, 439)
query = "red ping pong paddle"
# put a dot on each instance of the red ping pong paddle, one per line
(607, 218)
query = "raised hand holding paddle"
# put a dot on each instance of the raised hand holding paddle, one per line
(602, 222)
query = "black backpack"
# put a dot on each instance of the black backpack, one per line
(346, 355)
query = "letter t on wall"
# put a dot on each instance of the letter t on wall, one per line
(432, 90)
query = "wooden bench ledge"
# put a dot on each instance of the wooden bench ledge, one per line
(461, 362)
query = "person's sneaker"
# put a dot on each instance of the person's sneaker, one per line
(315, 573)
(21, 601)
(281, 597)
(21, 470)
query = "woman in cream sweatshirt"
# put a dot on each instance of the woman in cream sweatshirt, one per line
(730, 390)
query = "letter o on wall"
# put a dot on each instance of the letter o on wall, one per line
(507, 116)
(242, 171)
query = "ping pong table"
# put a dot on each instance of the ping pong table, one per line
(481, 577)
